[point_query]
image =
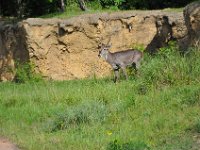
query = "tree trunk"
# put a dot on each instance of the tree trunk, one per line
(0, 10)
(20, 9)
(62, 5)
(82, 5)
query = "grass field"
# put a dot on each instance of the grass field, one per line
(158, 109)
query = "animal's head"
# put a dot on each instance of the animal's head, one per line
(104, 50)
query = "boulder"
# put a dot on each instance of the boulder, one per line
(192, 21)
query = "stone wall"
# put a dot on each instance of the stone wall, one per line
(192, 21)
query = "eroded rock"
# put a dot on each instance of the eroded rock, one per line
(192, 22)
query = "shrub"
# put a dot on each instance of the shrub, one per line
(142, 88)
(191, 96)
(197, 126)
(169, 67)
(116, 145)
(82, 114)
(25, 73)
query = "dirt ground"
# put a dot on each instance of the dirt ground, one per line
(7, 145)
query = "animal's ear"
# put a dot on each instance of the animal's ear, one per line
(100, 45)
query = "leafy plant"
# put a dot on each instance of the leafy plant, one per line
(139, 47)
(25, 73)
(170, 50)
(75, 116)
(191, 96)
(116, 145)
(118, 2)
(197, 126)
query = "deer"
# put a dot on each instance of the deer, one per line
(121, 59)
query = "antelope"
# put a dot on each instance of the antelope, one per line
(121, 59)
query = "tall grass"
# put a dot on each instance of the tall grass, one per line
(152, 110)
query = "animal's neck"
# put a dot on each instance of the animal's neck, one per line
(108, 57)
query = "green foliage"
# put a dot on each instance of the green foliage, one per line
(21, 8)
(25, 73)
(107, 3)
(118, 2)
(168, 67)
(190, 96)
(197, 126)
(139, 47)
(169, 51)
(84, 113)
(143, 88)
(9, 102)
(116, 145)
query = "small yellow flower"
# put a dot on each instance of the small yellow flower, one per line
(109, 133)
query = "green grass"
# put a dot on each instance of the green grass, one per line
(74, 10)
(174, 9)
(157, 109)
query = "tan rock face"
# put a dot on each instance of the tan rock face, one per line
(68, 49)
(192, 21)
(192, 16)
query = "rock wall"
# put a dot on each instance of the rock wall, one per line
(192, 21)
(12, 49)
(64, 49)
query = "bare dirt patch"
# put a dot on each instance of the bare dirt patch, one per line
(7, 145)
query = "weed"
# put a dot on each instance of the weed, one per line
(10, 102)
(25, 73)
(82, 114)
(116, 145)
(142, 88)
(197, 127)
(139, 47)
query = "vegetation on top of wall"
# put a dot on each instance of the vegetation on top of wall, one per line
(24, 9)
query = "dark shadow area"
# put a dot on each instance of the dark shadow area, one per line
(13, 49)
(163, 35)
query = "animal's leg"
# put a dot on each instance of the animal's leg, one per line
(134, 67)
(116, 75)
(125, 73)
(137, 65)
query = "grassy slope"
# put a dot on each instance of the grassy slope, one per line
(158, 109)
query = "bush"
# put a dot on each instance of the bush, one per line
(169, 67)
(191, 96)
(85, 113)
(116, 145)
(25, 73)
(197, 127)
